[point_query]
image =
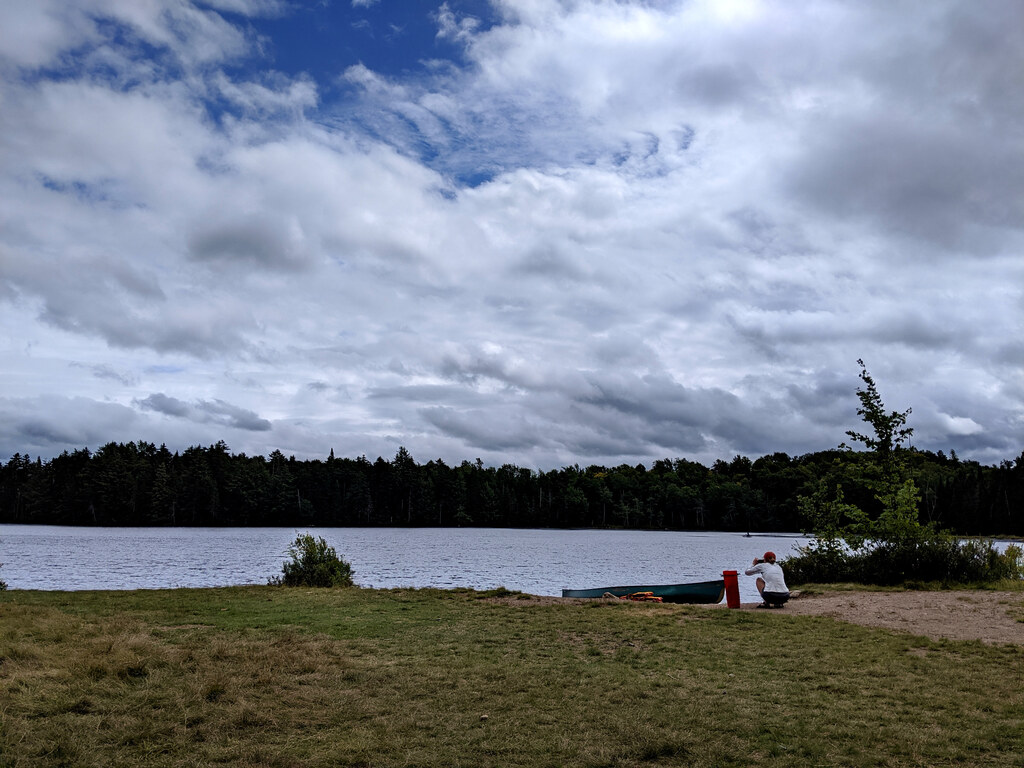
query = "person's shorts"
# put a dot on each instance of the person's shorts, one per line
(776, 598)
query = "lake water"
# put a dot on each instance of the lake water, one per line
(539, 562)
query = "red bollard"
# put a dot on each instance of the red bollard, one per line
(732, 588)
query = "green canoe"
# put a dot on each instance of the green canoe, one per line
(695, 592)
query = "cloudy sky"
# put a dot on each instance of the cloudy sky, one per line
(530, 231)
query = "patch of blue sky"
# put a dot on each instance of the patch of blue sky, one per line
(477, 146)
(394, 38)
(401, 42)
(99, 64)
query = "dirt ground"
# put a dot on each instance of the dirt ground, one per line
(992, 617)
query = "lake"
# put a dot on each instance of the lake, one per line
(540, 562)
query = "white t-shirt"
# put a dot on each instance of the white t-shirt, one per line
(772, 575)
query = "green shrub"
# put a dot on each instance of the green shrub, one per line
(313, 564)
(935, 559)
(817, 566)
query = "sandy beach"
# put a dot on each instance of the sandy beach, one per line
(991, 617)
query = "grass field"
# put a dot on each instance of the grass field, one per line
(269, 676)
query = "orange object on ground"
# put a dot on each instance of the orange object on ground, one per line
(642, 597)
(732, 588)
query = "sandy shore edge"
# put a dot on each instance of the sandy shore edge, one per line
(991, 617)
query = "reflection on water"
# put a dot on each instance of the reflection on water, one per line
(539, 562)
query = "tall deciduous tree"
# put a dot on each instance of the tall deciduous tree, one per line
(890, 429)
(897, 523)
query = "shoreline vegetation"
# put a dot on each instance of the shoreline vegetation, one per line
(886, 515)
(140, 484)
(267, 676)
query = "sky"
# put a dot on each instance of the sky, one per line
(538, 232)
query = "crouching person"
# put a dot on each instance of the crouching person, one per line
(771, 582)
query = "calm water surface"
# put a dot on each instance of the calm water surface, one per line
(540, 562)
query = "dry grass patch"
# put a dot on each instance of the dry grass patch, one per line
(400, 678)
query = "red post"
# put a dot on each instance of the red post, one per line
(732, 588)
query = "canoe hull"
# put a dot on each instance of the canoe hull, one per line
(701, 592)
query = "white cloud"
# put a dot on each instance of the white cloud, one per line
(40, 32)
(960, 425)
(624, 231)
(291, 97)
(449, 25)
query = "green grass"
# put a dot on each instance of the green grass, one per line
(265, 676)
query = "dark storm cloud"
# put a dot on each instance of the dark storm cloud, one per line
(135, 330)
(259, 241)
(818, 396)
(107, 372)
(656, 399)
(124, 305)
(38, 431)
(935, 151)
(169, 406)
(550, 263)
(668, 415)
(1010, 352)
(928, 182)
(915, 329)
(47, 425)
(232, 416)
(616, 416)
(485, 429)
(203, 411)
(477, 366)
(719, 84)
(776, 331)
(427, 393)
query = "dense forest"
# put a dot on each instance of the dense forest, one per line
(141, 484)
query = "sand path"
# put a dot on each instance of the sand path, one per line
(988, 616)
(992, 617)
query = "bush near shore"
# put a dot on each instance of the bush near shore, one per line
(314, 563)
(941, 560)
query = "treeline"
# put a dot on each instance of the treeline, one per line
(139, 484)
